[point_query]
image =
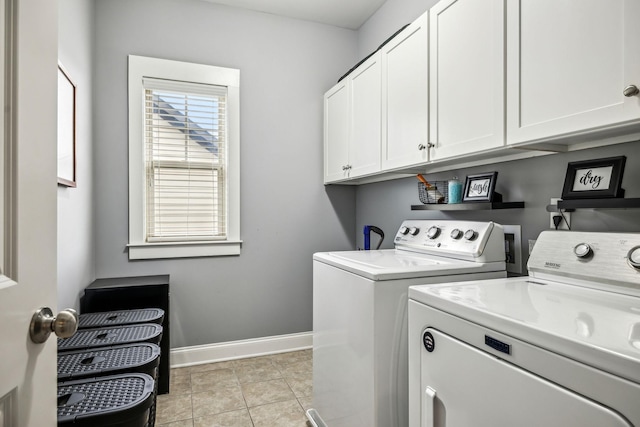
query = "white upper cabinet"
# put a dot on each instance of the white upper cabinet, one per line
(568, 65)
(467, 81)
(336, 132)
(352, 112)
(365, 116)
(470, 81)
(405, 96)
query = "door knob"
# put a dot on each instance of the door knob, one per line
(65, 324)
(630, 90)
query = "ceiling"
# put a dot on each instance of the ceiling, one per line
(341, 13)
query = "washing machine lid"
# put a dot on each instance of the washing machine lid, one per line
(598, 328)
(393, 264)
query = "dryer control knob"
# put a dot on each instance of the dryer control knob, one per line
(456, 233)
(470, 234)
(433, 232)
(633, 257)
(583, 250)
(404, 230)
(414, 231)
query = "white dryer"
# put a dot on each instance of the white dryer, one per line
(560, 348)
(360, 299)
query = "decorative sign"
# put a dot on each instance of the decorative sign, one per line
(480, 187)
(591, 179)
(594, 179)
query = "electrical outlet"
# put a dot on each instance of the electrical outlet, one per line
(565, 217)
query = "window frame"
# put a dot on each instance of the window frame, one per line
(139, 68)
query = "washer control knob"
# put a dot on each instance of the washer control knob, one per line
(433, 232)
(404, 230)
(414, 231)
(456, 233)
(633, 257)
(470, 234)
(583, 250)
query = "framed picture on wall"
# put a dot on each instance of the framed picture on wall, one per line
(590, 179)
(480, 187)
(66, 129)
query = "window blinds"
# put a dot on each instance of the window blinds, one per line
(185, 161)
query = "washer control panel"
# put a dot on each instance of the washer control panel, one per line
(458, 239)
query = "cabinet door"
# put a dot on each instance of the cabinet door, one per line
(336, 132)
(466, 73)
(405, 96)
(568, 64)
(366, 112)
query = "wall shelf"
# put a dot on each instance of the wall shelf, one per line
(481, 206)
(599, 204)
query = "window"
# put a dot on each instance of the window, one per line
(183, 159)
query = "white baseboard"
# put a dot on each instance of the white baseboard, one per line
(220, 352)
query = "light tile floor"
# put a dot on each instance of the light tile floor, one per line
(267, 391)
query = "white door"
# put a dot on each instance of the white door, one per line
(569, 63)
(28, 223)
(405, 96)
(466, 74)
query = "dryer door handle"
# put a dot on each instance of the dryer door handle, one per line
(429, 408)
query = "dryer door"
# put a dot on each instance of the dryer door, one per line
(463, 386)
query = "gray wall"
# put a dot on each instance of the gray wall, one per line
(286, 213)
(533, 181)
(392, 15)
(76, 254)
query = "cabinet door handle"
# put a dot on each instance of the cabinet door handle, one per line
(421, 147)
(431, 145)
(630, 91)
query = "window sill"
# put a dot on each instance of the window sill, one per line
(183, 250)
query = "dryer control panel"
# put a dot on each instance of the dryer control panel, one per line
(602, 258)
(469, 240)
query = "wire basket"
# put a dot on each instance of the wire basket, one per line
(436, 194)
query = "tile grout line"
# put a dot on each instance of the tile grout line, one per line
(193, 418)
(246, 405)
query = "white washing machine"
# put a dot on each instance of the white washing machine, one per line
(360, 315)
(559, 348)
